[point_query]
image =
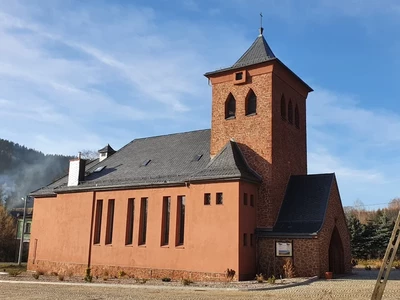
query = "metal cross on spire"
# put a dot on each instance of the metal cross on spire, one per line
(261, 23)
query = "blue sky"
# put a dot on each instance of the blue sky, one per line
(80, 74)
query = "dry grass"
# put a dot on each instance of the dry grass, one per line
(12, 268)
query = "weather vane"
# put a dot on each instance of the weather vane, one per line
(261, 23)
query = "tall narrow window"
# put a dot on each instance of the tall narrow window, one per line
(245, 199)
(251, 103)
(165, 221)
(207, 199)
(283, 107)
(143, 221)
(245, 239)
(251, 200)
(296, 117)
(290, 112)
(219, 199)
(230, 107)
(180, 222)
(97, 222)
(110, 221)
(251, 239)
(130, 215)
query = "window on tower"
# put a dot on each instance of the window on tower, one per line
(290, 112)
(283, 107)
(251, 103)
(296, 117)
(230, 107)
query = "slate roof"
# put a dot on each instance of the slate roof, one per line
(107, 149)
(304, 206)
(163, 160)
(258, 52)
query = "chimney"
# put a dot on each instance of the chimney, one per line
(105, 152)
(76, 170)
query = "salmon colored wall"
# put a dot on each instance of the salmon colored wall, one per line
(211, 231)
(61, 228)
(247, 224)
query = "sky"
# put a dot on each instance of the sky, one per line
(77, 75)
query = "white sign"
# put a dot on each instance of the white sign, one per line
(283, 249)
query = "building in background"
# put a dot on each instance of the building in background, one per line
(18, 214)
(192, 204)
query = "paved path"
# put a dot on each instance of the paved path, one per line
(355, 287)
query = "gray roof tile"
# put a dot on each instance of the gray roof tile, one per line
(173, 160)
(304, 206)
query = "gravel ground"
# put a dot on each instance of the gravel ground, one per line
(357, 286)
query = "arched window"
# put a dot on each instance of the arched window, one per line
(296, 117)
(230, 107)
(290, 112)
(251, 103)
(283, 107)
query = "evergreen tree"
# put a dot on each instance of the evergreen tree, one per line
(356, 237)
(383, 231)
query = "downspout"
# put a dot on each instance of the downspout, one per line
(91, 231)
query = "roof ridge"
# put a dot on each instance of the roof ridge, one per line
(170, 134)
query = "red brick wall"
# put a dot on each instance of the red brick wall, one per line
(272, 148)
(305, 257)
(289, 153)
(334, 217)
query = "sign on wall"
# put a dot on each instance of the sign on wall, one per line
(283, 249)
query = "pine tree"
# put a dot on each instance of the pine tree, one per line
(383, 231)
(356, 237)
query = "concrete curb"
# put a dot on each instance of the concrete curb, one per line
(154, 287)
(278, 287)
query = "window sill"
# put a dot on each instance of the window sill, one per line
(251, 115)
(129, 245)
(180, 247)
(164, 246)
(230, 118)
(97, 245)
(142, 246)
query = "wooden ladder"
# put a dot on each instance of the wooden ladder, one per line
(387, 262)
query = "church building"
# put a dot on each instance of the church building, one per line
(194, 204)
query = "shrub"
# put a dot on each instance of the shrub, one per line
(14, 273)
(260, 278)
(186, 281)
(289, 269)
(230, 273)
(70, 273)
(60, 277)
(166, 279)
(88, 277)
(54, 274)
(40, 272)
(35, 275)
(368, 268)
(121, 274)
(271, 280)
(396, 265)
(354, 262)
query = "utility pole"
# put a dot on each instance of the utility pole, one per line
(21, 240)
(387, 263)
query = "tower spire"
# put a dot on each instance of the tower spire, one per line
(261, 21)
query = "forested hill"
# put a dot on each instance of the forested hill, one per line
(23, 170)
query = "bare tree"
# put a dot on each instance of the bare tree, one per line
(7, 234)
(89, 154)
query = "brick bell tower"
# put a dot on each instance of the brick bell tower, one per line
(261, 104)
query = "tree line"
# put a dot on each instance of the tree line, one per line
(370, 230)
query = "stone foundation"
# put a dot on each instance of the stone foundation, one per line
(113, 271)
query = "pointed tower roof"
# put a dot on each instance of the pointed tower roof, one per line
(258, 52)
(107, 149)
